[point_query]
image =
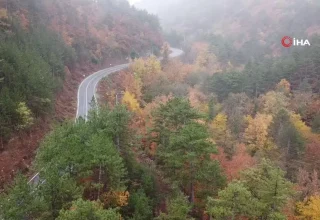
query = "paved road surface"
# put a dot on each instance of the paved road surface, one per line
(87, 89)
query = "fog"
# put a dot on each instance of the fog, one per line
(247, 20)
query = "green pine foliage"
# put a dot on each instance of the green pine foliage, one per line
(178, 209)
(75, 161)
(172, 116)
(142, 206)
(183, 141)
(235, 200)
(316, 124)
(261, 193)
(87, 210)
(32, 64)
(20, 201)
(258, 77)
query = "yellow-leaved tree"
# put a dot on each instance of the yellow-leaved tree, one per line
(256, 134)
(131, 102)
(310, 210)
(153, 65)
(301, 126)
(283, 86)
(204, 59)
(25, 114)
(219, 128)
(146, 71)
(3, 13)
(138, 67)
(273, 102)
(222, 135)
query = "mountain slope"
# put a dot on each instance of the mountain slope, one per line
(47, 47)
(255, 27)
(98, 28)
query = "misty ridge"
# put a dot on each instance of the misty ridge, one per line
(159, 109)
(238, 21)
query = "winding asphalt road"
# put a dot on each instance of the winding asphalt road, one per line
(87, 92)
(88, 87)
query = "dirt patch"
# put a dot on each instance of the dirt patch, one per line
(20, 151)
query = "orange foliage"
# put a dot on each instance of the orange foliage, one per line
(176, 71)
(314, 107)
(289, 210)
(127, 81)
(283, 86)
(312, 155)
(240, 161)
(198, 100)
(203, 59)
(146, 116)
(308, 183)
(198, 47)
(115, 198)
(150, 107)
(104, 30)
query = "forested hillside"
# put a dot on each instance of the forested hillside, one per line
(260, 125)
(171, 140)
(237, 30)
(231, 130)
(46, 48)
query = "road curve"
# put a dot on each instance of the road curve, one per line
(87, 88)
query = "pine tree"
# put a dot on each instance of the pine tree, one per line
(178, 208)
(88, 210)
(268, 184)
(142, 206)
(233, 202)
(171, 116)
(21, 201)
(57, 190)
(187, 160)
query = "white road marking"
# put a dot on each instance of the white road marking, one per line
(107, 71)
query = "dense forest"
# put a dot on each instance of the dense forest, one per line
(220, 133)
(45, 48)
(237, 30)
(34, 57)
(180, 148)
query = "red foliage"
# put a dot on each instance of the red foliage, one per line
(240, 161)
(176, 71)
(312, 156)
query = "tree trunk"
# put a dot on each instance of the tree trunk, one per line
(118, 142)
(288, 147)
(99, 182)
(191, 192)
(2, 146)
(191, 185)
